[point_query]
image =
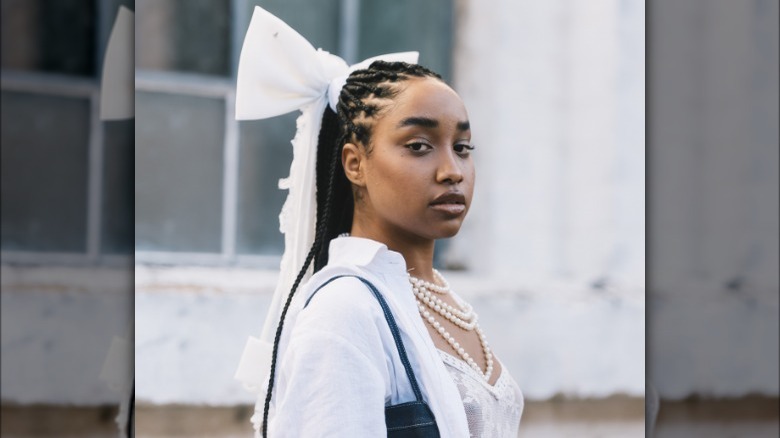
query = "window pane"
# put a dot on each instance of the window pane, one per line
(45, 144)
(266, 154)
(52, 36)
(183, 35)
(405, 25)
(317, 21)
(117, 208)
(178, 172)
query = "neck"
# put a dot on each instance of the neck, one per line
(419, 261)
(417, 251)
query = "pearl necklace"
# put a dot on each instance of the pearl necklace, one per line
(465, 319)
(432, 286)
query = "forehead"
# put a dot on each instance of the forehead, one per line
(427, 97)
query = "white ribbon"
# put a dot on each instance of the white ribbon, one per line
(279, 72)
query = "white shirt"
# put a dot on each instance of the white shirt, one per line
(337, 363)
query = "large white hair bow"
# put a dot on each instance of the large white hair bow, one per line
(279, 72)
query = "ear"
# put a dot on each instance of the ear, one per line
(352, 158)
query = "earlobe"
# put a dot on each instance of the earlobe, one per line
(352, 160)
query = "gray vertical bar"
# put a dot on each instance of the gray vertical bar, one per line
(105, 15)
(348, 30)
(239, 19)
(230, 180)
(95, 179)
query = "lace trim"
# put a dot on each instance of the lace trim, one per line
(491, 410)
(501, 389)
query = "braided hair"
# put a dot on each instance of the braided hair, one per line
(362, 99)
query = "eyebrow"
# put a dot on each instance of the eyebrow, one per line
(463, 126)
(426, 122)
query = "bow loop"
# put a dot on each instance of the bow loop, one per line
(279, 71)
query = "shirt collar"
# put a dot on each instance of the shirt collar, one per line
(363, 252)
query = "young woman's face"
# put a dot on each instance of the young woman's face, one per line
(418, 179)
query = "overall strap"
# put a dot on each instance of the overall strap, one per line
(393, 329)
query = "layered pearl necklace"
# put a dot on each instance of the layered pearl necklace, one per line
(465, 318)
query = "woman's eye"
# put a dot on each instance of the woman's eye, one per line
(463, 148)
(418, 147)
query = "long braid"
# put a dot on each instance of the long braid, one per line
(279, 328)
(318, 239)
(373, 83)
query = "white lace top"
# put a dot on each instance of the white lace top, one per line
(492, 411)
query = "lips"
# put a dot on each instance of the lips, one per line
(450, 203)
(450, 198)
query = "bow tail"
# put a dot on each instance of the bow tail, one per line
(297, 222)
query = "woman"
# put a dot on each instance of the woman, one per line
(394, 172)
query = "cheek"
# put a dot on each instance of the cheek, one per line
(470, 176)
(403, 183)
(397, 187)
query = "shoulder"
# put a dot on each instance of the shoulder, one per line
(344, 295)
(340, 289)
(343, 307)
(343, 322)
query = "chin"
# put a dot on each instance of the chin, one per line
(447, 231)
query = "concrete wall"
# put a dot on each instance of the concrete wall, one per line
(713, 303)
(558, 339)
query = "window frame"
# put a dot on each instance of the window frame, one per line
(214, 87)
(223, 87)
(88, 88)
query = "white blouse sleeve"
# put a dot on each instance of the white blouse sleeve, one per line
(333, 378)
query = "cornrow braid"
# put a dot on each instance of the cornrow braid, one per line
(359, 96)
(359, 102)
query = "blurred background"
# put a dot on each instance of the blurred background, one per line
(713, 320)
(552, 255)
(67, 217)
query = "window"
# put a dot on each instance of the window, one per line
(65, 173)
(206, 185)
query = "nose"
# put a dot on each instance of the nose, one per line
(449, 170)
